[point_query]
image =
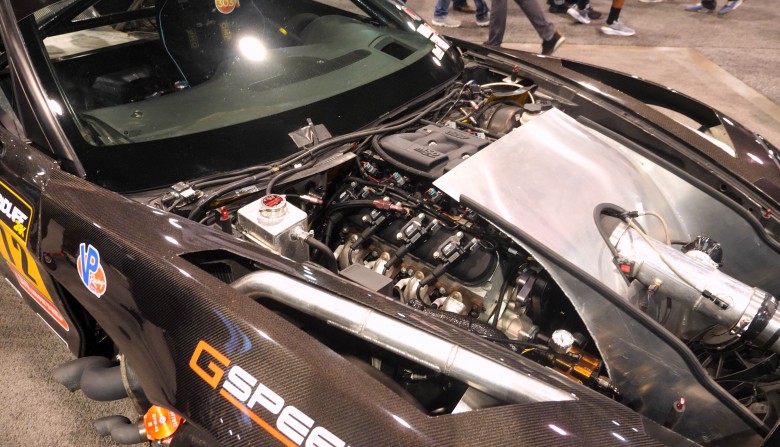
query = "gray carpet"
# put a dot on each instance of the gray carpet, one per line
(746, 42)
(38, 411)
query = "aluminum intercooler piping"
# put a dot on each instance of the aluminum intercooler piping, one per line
(748, 312)
(484, 374)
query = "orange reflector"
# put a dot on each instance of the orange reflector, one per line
(161, 423)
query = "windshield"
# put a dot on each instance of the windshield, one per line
(181, 89)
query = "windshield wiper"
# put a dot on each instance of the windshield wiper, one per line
(105, 131)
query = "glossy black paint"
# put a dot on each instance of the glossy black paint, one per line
(158, 306)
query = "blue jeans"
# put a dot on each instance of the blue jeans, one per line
(443, 6)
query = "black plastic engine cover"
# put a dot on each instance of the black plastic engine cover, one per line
(432, 149)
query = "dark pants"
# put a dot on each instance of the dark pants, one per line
(532, 10)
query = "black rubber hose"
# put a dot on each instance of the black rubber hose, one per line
(120, 428)
(283, 174)
(104, 425)
(360, 204)
(327, 254)
(398, 191)
(69, 374)
(103, 384)
(607, 209)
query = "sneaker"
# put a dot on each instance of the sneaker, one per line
(446, 22)
(465, 8)
(549, 46)
(491, 45)
(484, 22)
(700, 7)
(617, 28)
(593, 14)
(730, 6)
(580, 15)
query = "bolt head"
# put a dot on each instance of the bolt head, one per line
(436, 255)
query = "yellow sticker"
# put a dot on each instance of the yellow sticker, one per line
(15, 217)
(227, 35)
(15, 213)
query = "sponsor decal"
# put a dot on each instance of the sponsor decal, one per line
(226, 6)
(90, 271)
(44, 302)
(287, 424)
(14, 212)
(410, 13)
(161, 424)
(425, 30)
(15, 217)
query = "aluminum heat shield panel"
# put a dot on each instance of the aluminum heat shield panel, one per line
(546, 178)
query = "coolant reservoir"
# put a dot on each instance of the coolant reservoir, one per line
(271, 221)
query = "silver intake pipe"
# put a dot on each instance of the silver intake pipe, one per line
(747, 311)
(402, 338)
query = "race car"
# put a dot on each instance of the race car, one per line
(321, 223)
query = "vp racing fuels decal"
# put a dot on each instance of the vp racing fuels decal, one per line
(90, 271)
(245, 392)
(15, 216)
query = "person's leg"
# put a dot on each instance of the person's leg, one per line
(482, 10)
(441, 16)
(729, 6)
(614, 12)
(462, 6)
(579, 11)
(441, 9)
(533, 11)
(614, 27)
(497, 22)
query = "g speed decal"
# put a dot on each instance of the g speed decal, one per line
(245, 392)
(90, 271)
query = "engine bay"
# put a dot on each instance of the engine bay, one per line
(380, 208)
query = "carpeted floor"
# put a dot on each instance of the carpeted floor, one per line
(37, 411)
